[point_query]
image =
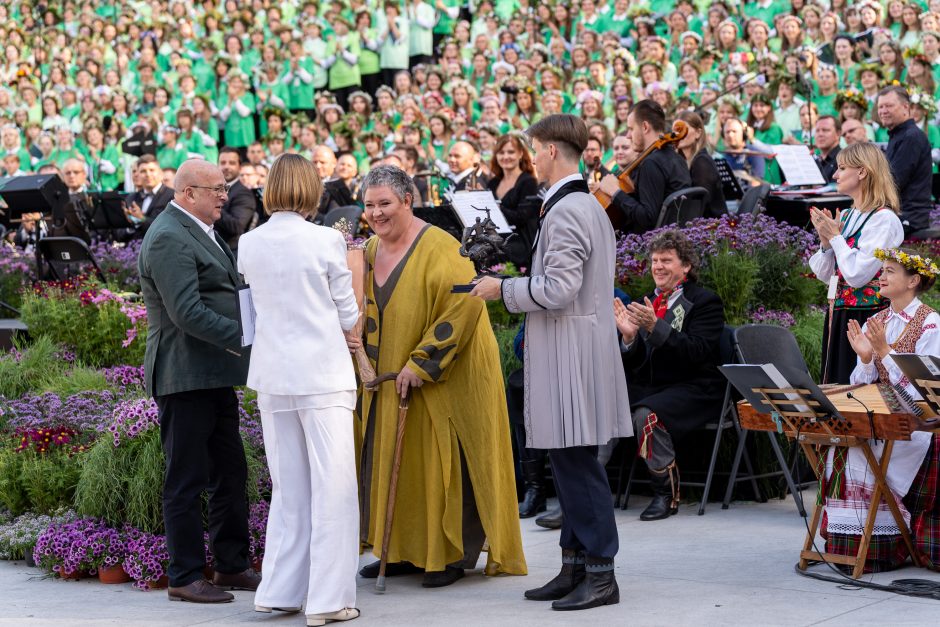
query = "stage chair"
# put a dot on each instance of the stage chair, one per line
(726, 419)
(761, 344)
(64, 253)
(352, 213)
(682, 206)
(753, 201)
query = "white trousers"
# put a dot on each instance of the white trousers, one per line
(312, 544)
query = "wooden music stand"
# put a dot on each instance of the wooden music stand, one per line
(790, 418)
(932, 389)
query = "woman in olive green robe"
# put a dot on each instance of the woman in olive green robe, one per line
(458, 414)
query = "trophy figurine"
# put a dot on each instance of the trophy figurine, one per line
(484, 246)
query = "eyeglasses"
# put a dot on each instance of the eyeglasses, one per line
(218, 190)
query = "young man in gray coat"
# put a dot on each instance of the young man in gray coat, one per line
(575, 391)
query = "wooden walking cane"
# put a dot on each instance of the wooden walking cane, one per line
(393, 481)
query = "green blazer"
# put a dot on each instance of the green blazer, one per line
(189, 287)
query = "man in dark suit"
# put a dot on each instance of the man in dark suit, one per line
(193, 359)
(671, 355)
(144, 205)
(239, 211)
(464, 163)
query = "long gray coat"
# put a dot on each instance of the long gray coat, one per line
(575, 390)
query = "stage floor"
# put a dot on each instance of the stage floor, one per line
(731, 567)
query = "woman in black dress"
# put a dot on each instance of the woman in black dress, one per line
(514, 185)
(702, 168)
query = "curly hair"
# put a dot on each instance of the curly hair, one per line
(674, 239)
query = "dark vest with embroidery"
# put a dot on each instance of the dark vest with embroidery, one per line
(906, 342)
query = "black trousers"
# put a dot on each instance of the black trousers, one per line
(586, 502)
(388, 75)
(203, 449)
(371, 82)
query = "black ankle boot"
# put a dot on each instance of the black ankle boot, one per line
(665, 501)
(533, 501)
(571, 575)
(551, 520)
(598, 588)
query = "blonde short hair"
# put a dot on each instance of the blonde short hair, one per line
(878, 188)
(292, 185)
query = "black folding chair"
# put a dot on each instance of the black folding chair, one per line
(65, 253)
(753, 201)
(727, 418)
(761, 344)
(683, 206)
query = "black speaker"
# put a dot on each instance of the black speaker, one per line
(46, 193)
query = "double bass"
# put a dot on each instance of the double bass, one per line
(679, 130)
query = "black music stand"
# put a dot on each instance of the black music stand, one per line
(107, 211)
(729, 182)
(442, 216)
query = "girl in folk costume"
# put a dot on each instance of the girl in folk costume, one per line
(846, 258)
(907, 326)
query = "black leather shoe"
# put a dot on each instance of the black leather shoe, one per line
(665, 501)
(248, 579)
(550, 520)
(533, 501)
(596, 590)
(441, 578)
(371, 571)
(571, 575)
(200, 591)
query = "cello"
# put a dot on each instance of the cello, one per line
(679, 130)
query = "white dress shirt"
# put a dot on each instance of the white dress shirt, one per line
(148, 199)
(208, 229)
(558, 185)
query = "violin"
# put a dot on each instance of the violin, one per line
(679, 130)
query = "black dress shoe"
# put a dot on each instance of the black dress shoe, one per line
(441, 578)
(371, 571)
(572, 574)
(200, 591)
(598, 588)
(533, 501)
(665, 501)
(551, 520)
(248, 579)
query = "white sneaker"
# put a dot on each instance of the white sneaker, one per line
(347, 613)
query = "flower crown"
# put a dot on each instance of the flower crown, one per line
(915, 263)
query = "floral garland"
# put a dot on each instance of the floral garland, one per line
(915, 263)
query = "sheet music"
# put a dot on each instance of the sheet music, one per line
(246, 315)
(470, 205)
(798, 165)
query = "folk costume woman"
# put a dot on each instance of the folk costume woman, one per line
(846, 258)
(907, 326)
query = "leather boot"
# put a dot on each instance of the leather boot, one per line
(572, 574)
(665, 501)
(551, 520)
(598, 588)
(533, 501)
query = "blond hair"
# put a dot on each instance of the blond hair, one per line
(292, 185)
(878, 187)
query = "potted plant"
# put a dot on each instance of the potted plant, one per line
(147, 559)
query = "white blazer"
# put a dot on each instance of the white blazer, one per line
(303, 297)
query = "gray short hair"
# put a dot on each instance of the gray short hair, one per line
(388, 176)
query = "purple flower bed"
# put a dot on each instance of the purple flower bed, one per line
(69, 547)
(131, 418)
(747, 234)
(125, 378)
(771, 316)
(118, 263)
(257, 526)
(85, 411)
(147, 557)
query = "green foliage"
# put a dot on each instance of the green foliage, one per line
(77, 379)
(124, 483)
(781, 284)
(733, 276)
(37, 482)
(507, 357)
(809, 332)
(32, 368)
(95, 331)
(639, 286)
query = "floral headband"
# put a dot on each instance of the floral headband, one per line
(915, 263)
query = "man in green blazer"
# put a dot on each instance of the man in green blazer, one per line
(194, 358)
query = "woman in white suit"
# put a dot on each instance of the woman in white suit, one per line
(301, 368)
